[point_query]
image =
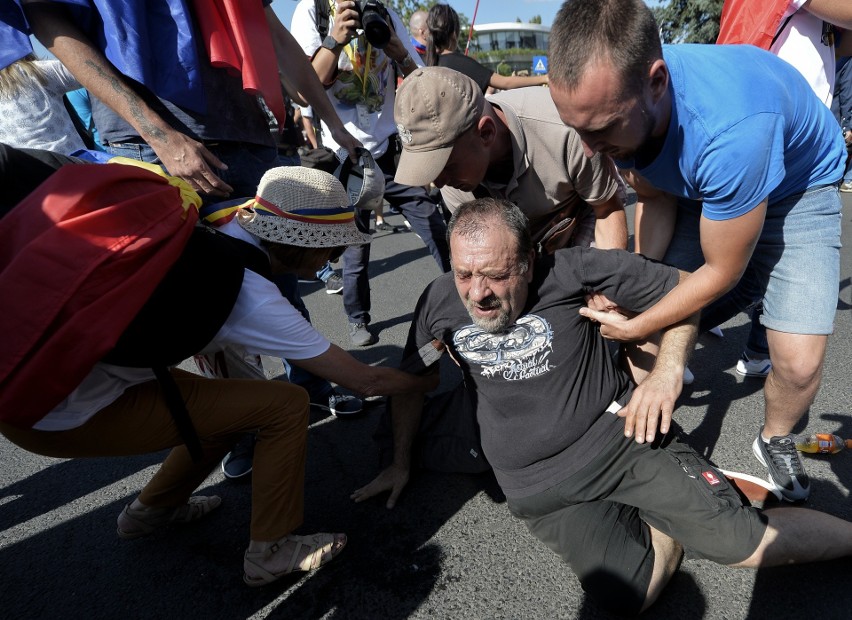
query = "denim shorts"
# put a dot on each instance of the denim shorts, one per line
(246, 163)
(794, 269)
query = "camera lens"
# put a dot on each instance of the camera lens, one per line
(376, 29)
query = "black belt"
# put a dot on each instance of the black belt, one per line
(232, 144)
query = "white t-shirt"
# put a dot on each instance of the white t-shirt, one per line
(36, 118)
(261, 322)
(800, 44)
(364, 104)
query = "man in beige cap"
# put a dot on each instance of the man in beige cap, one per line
(512, 146)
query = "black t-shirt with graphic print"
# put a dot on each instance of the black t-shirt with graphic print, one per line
(542, 387)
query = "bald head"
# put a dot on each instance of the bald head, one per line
(417, 26)
(418, 20)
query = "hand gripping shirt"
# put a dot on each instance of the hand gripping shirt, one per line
(744, 125)
(541, 388)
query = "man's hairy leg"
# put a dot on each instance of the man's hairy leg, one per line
(793, 382)
(667, 555)
(799, 535)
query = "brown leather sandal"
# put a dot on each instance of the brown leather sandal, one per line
(135, 522)
(322, 549)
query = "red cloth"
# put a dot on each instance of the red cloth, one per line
(237, 36)
(78, 259)
(747, 21)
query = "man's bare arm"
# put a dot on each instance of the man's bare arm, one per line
(610, 224)
(727, 246)
(837, 12)
(653, 400)
(302, 84)
(180, 154)
(654, 219)
(343, 30)
(406, 411)
(342, 368)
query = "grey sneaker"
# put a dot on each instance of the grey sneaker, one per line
(846, 186)
(360, 336)
(334, 284)
(785, 467)
(339, 405)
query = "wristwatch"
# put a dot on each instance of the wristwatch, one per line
(330, 43)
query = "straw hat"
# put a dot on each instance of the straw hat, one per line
(301, 206)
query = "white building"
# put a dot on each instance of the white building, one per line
(511, 42)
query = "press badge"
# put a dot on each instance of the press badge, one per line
(364, 118)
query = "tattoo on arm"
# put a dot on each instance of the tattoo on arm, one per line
(132, 99)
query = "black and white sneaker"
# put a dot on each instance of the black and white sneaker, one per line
(748, 367)
(334, 284)
(339, 405)
(785, 467)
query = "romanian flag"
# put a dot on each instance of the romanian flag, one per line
(79, 257)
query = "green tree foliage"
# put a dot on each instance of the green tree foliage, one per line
(504, 69)
(535, 19)
(689, 21)
(404, 8)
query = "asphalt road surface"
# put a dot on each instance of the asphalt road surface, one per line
(450, 549)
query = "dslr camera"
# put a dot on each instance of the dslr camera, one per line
(374, 18)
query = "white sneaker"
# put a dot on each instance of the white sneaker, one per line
(753, 368)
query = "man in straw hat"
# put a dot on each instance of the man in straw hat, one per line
(299, 219)
(511, 145)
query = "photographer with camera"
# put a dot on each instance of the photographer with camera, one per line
(358, 49)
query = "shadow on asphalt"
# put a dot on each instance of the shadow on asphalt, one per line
(714, 387)
(79, 568)
(62, 482)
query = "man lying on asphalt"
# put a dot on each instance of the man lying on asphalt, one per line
(558, 417)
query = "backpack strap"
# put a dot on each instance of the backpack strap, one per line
(177, 407)
(323, 13)
(781, 29)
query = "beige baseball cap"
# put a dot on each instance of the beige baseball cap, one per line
(434, 106)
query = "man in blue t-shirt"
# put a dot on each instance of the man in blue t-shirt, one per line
(740, 130)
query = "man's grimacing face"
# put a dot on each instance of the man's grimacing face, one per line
(607, 120)
(488, 279)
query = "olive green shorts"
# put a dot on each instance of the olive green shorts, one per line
(596, 519)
